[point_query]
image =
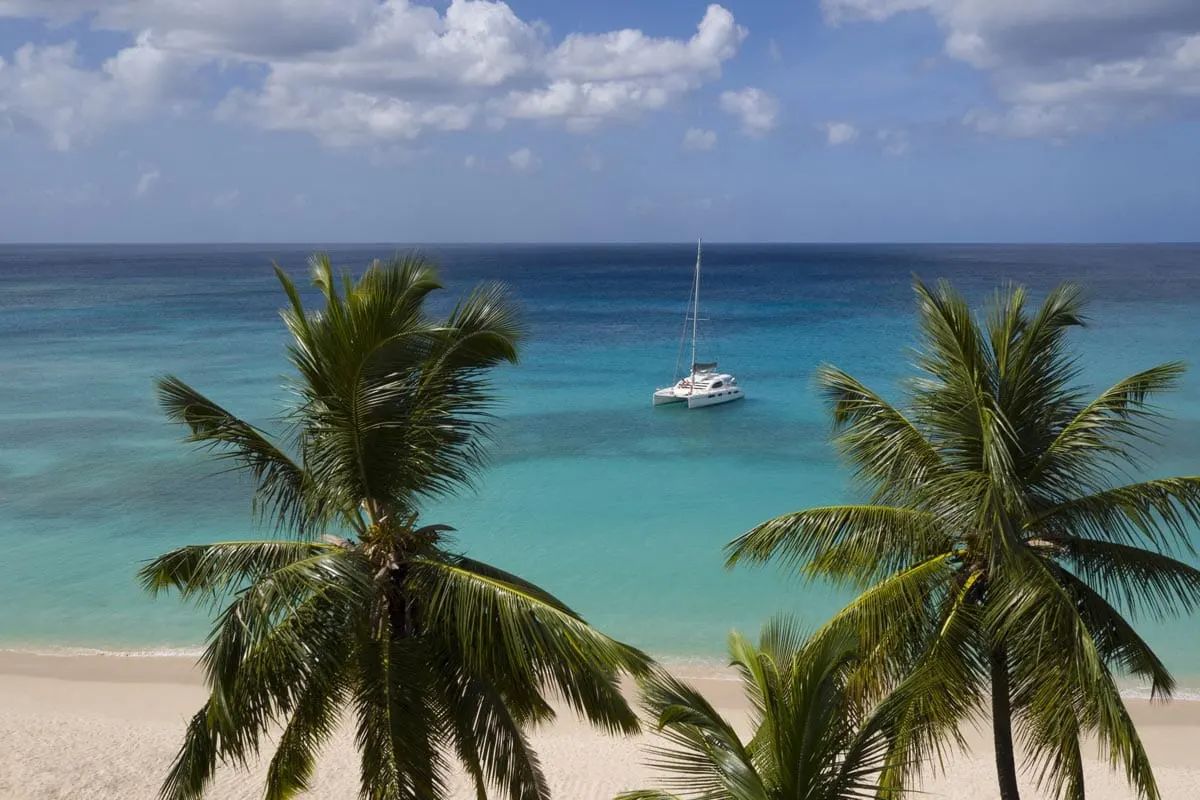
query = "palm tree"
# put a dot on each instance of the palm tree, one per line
(1003, 550)
(814, 737)
(362, 612)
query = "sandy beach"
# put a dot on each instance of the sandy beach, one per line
(100, 727)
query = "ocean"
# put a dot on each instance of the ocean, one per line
(619, 508)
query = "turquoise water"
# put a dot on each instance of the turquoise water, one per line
(619, 508)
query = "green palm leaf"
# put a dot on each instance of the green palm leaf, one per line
(516, 629)
(856, 544)
(813, 739)
(1142, 581)
(280, 491)
(212, 571)
(1097, 436)
(1134, 514)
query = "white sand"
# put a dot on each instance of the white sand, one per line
(100, 727)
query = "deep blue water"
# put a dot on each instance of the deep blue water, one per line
(619, 508)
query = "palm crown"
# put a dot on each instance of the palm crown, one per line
(814, 735)
(1002, 547)
(436, 657)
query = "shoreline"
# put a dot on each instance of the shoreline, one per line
(168, 665)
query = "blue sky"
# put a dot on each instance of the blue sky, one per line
(383, 120)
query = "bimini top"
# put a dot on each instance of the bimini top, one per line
(707, 366)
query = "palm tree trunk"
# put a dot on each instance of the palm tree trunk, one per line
(1006, 763)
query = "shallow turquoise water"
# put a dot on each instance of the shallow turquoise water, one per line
(619, 508)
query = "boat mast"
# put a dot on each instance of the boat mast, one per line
(695, 309)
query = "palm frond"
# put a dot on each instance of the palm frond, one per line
(884, 446)
(1160, 512)
(1098, 437)
(1142, 581)
(398, 729)
(922, 718)
(296, 595)
(1057, 658)
(488, 738)
(209, 572)
(811, 738)
(507, 627)
(281, 490)
(955, 402)
(483, 330)
(313, 721)
(852, 544)
(395, 404)
(1063, 688)
(195, 763)
(1116, 640)
(892, 620)
(702, 754)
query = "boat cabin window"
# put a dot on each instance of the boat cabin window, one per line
(717, 385)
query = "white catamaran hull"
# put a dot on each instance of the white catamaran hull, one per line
(664, 396)
(715, 398)
(700, 390)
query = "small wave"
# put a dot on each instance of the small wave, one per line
(65, 651)
(706, 668)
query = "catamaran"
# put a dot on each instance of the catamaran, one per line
(703, 385)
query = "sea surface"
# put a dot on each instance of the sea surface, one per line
(619, 508)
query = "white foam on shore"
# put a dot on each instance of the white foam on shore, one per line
(701, 668)
(64, 651)
(690, 667)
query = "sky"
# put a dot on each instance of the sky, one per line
(558, 120)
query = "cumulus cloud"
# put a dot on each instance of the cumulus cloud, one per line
(619, 74)
(359, 71)
(1061, 67)
(49, 88)
(839, 133)
(699, 139)
(755, 109)
(146, 182)
(523, 160)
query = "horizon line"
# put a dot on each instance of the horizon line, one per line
(614, 243)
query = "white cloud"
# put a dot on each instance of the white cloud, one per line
(623, 73)
(630, 54)
(893, 142)
(342, 118)
(469, 162)
(839, 133)
(146, 182)
(358, 71)
(699, 139)
(49, 88)
(1061, 67)
(523, 160)
(757, 110)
